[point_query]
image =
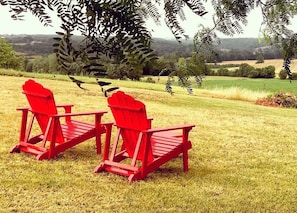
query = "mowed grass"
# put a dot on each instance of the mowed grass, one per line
(243, 157)
(255, 85)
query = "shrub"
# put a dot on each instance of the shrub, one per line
(134, 74)
(218, 66)
(282, 74)
(244, 70)
(150, 80)
(294, 76)
(212, 72)
(115, 71)
(223, 72)
(29, 67)
(268, 72)
(233, 73)
(280, 99)
(265, 72)
(260, 59)
(254, 73)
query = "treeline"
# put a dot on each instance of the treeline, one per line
(179, 64)
(33, 45)
(244, 70)
(229, 50)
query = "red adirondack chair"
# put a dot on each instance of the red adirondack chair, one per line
(55, 134)
(139, 149)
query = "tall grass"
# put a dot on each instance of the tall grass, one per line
(234, 93)
(243, 158)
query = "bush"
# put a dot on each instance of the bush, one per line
(294, 76)
(123, 71)
(115, 71)
(244, 70)
(282, 74)
(223, 72)
(255, 73)
(29, 67)
(265, 72)
(268, 72)
(150, 80)
(260, 59)
(212, 73)
(218, 66)
(280, 99)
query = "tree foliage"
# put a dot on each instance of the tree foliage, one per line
(116, 28)
(8, 58)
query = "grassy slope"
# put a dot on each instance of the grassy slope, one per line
(243, 158)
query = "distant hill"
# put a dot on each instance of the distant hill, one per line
(241, 43)
(226, 43)
(34, 44)
(42, 45)
(229, 49)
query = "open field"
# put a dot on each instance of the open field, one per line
(236, 88)
(277, 63)
(243, 157)
(256, 84)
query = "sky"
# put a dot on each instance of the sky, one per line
(31, 25)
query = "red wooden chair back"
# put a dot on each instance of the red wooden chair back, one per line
(130, 116)
(42, 104)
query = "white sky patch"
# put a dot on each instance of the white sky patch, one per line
(31, 25)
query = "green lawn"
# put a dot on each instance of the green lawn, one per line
(269, 85)
(243, 157)
(209, 82)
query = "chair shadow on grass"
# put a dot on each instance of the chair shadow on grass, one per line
(172, 171)
(79, 153)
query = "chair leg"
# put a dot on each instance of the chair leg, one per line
(23, 125)
(186, 146)
(108, 129)
(16, 149)
(98, 143)
(185, 161)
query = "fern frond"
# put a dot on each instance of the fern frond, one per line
(171, 11)
(149, 10)
(196, 6)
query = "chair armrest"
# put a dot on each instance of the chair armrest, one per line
(149, 120)
(184, 127)
(67, 109)
(108, 124)
(64, 105)
(79, 114)
(23, 108)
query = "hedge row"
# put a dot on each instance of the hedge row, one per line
(246, 70)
